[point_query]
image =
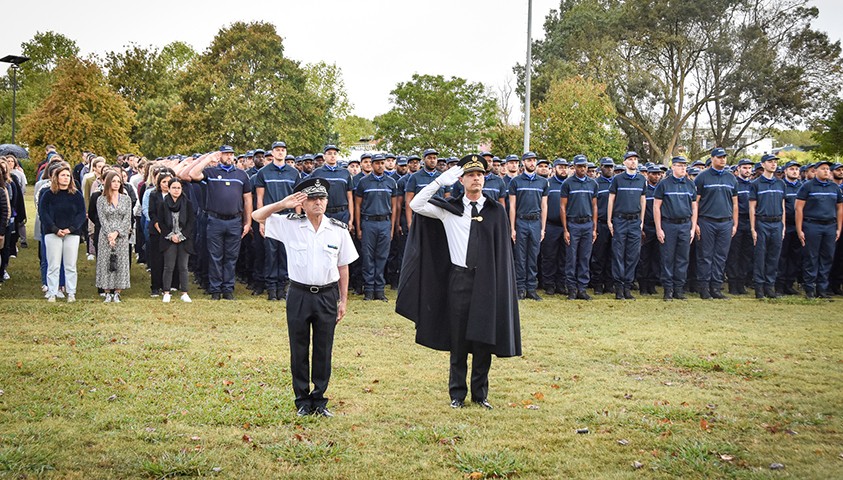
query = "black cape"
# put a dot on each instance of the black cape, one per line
(423, 285)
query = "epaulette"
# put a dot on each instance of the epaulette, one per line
(296, 216)
(338, 223)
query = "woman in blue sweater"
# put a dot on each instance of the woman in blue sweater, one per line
(63, 220)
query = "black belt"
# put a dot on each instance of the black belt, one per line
(530, 216)
(676, 221)
(376, 218)
(223, 217)
(743, 217)
(821, 222)
(579, 219)
(602, 221)
(312, 288)
(628, 216)
(336, 209)
(769, 219)
(462, 269)
(718, 220)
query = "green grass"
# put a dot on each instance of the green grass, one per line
(147, 390)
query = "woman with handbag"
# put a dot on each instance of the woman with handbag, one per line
(114, 210)
(176, 220)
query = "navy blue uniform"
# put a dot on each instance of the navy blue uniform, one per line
(376, 194)
(553, 245)
(740, 260)
(580, 223)
(790, 260)
(278, 183)
(677, 196)
(226, 186)
(716, 194)
(649, 265)
(819, 225)
(768, 196)
(601, 251)
(626, 223)
(528, 191)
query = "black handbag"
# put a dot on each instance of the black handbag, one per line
(112, 261)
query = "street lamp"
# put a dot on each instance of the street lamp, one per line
(15, 60)
(528, 72)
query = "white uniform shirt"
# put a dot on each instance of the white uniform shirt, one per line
(456, 228)
(313, 256)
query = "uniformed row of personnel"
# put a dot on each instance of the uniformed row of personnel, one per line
(571, 229)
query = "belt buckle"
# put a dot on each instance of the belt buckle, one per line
(314, 289)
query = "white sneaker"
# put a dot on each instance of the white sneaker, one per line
(44, 288)
(6, 276)
(59, 294)
(51, 299)
(116, 298)
(186, 298)
(166, 298)
(71, 298)
(107, 298)
(91, 258)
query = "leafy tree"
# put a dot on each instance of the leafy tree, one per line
(34, 78)
(730, 67)
(351, 129)
(576, 116)
(82, 111)
(800, 138)
(326, 82)
(244, 92)
(505, 139)
(431, 111)
(830, 137)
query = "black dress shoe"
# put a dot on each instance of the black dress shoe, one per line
(215, 296)
(281, 294)
(705, 294)
(368, 296)
(583, 295)
(618, 293)
(824, 295)
(483, 403)
(809, 294)
(789, 290)
(381, 296)
(522, 295)
(679, 295)
(718, 295)
(532, 295)
(457, 403)
(258, 291)
(598, 289)
(228, 296)
(572, 295)
(304, 411)
(668, 295)
(561, 290)
(549, 290)
(627, 293)
(271, 296)
(323, 412)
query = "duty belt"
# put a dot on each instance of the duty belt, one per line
(821, 222)
(376, 218)
(223, 217)
(579, 219)
(628, 216)
(312, 288)
(718, 220)
(677, 221)
(336, 209)
(769, 219)
(530, 216)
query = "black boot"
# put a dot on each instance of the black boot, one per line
(717, 294)
(668, 294)
(705, 293)
(733, 288)
(583, 295)
(741, 287)
(771, 292)
(618, 292)
(272, 296)
(598, 289)
(678, 294)
(759, 292)
(789, 290)
(642, 287)
(627, 293)
(810, 294)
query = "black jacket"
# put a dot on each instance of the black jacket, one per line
(187, 220)
(423, 286)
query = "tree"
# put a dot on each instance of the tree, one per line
(830, 137)
(352, 129)
(576, 116)
(242, 91)
(82, 112)
(326, 82)
(430, 111)
(34, 78)
(505, 139)
(730, 67)
(799, 138)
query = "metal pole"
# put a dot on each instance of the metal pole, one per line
(528, 73)
(14, 97)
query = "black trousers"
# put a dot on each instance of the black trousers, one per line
(741, 255)
(461, 283)
(317, 313)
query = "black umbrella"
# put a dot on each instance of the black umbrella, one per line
(12, 149)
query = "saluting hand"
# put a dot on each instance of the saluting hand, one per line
(292, 201)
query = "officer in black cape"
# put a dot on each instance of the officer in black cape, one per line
(466, 240)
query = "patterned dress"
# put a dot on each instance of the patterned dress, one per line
(112, 219)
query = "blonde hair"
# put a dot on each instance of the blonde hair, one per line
(54, 179)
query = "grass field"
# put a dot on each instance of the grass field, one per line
(149, 390)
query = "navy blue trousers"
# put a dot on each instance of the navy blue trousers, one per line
(790, 260)
(676, 251)
(553, 256)
(375, 243)
(602, 257)
(818, 255)
(223, 249)
(715, 239)
(768, 249)
(626, 250)
(578, 255)
(274, 264)
(528, 234)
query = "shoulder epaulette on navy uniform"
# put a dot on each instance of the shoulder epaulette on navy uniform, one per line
(338, 223)
(296, 216)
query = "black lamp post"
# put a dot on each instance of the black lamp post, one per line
(15, 60)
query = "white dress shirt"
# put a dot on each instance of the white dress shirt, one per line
(457, 228)
(313, 256)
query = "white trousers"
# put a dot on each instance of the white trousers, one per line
(61, 250)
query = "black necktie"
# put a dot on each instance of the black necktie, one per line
(474, 211)
(471, 253)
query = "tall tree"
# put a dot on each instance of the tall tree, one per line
(244, 92)
(82, 112)
(830, 136)
(325, 81)
(730, 68)
(430, 111)
(34, 78)
(576, 116)
(352, 129)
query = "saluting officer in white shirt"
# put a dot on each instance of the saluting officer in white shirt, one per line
(319, 250)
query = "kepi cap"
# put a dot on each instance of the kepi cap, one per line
(473, 163)
(313, 188)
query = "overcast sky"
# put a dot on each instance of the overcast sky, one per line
(377, 43)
